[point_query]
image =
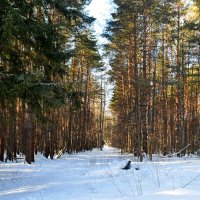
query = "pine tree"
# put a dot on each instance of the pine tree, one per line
(152, 65)
(35, 65)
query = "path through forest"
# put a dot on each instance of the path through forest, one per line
(97, 175)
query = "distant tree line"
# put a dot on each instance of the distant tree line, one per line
(154, 52)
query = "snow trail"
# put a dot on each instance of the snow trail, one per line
(97, 175)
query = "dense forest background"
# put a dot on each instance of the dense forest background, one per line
(51, 101)
(154, 52)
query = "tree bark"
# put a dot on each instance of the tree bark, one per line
(29, 132)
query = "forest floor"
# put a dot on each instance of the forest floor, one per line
(97, 175)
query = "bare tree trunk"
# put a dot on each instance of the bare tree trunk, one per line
(164, 98)
(180, 90)
(29, 131)
(144, 89)
(2, 134)
(101, 117)
(2, 143)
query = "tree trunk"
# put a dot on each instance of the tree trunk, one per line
(144, 89)
(29, 131)
(2, 147)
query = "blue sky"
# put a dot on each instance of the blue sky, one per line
(100, 9)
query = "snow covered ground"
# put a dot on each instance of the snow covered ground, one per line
(97, 175)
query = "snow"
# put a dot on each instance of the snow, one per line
(97, 175)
